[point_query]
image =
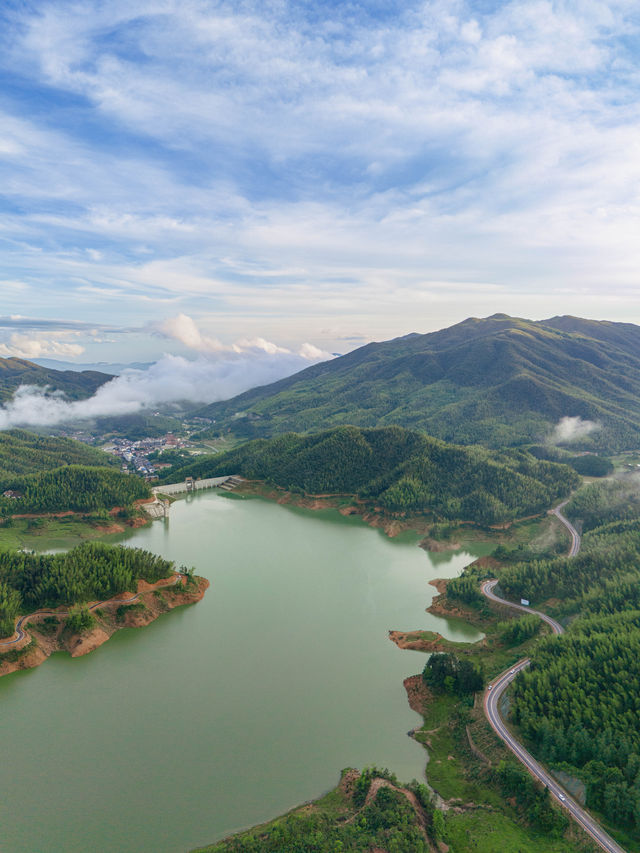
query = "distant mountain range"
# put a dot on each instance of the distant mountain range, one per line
(500, 381)
(77, 386)
(101, 366)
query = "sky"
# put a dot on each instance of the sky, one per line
(211, 179)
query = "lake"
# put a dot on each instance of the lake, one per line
(229, 712)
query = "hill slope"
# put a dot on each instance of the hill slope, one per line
(400, 470)
(500, 381)
(23, 453)
(56, 474)
(76, 385)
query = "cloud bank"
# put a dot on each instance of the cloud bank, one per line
(219, 372)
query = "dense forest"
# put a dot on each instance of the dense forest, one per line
(138, 425)
(57, 474)
(88, 572)
(23, 452)
(579, 704)
(399, 470)
(447, 672)
(500, 381)
(610, 500)
(608, 563)
(74, 487)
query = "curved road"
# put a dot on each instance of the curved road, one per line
(21, 634)
(494, 693)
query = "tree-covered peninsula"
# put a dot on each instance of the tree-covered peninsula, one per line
(90, 572)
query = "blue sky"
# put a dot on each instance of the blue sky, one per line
(185, 176)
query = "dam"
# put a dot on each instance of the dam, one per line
(191, 485)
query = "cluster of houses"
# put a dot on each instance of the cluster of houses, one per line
(135, 453)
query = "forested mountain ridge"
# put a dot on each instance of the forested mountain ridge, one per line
(23, 453)
(499, 381)
(399, 470)
(54, 474)
(75, 385)
(78, 488)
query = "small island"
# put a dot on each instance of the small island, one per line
(76, 601)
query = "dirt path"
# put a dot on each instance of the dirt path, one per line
(20, 634)
(378, 783)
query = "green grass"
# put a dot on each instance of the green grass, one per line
(484, 831)
(53, 534)
(121, 612)
(445, 739)
(12, 655)
(46, 626)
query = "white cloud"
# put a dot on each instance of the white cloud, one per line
(24, 346)
(281, 168)
(183, 329)
(568, 430)
(172, 378)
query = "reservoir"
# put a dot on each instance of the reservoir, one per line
(229, 712)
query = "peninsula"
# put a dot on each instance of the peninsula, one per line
(76, 601)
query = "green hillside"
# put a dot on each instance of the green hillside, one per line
(399, 470)
(53, 474)
(23, 452)
(75, 487)
(499, 381)
(75, 385)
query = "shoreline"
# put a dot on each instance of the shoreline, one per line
(463, 532)
(64, 529)
(42, 637)
(374, 517)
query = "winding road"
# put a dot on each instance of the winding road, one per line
(494, 693)
(21, 633)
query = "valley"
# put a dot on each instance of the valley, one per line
(458, 500)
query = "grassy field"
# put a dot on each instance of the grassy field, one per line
(48, 534)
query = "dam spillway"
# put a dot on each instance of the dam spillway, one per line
(196, 485)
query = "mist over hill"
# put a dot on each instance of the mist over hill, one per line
(76, 385)
(500, 381)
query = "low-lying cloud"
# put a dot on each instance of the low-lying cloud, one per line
(568, 430)
(206, 379)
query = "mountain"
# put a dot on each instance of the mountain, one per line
(76, 386)
(400, 470)
(100, 366)
(500, 381)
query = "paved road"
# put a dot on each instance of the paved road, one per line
(575, 536)
(20, 633)
(495, 691)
